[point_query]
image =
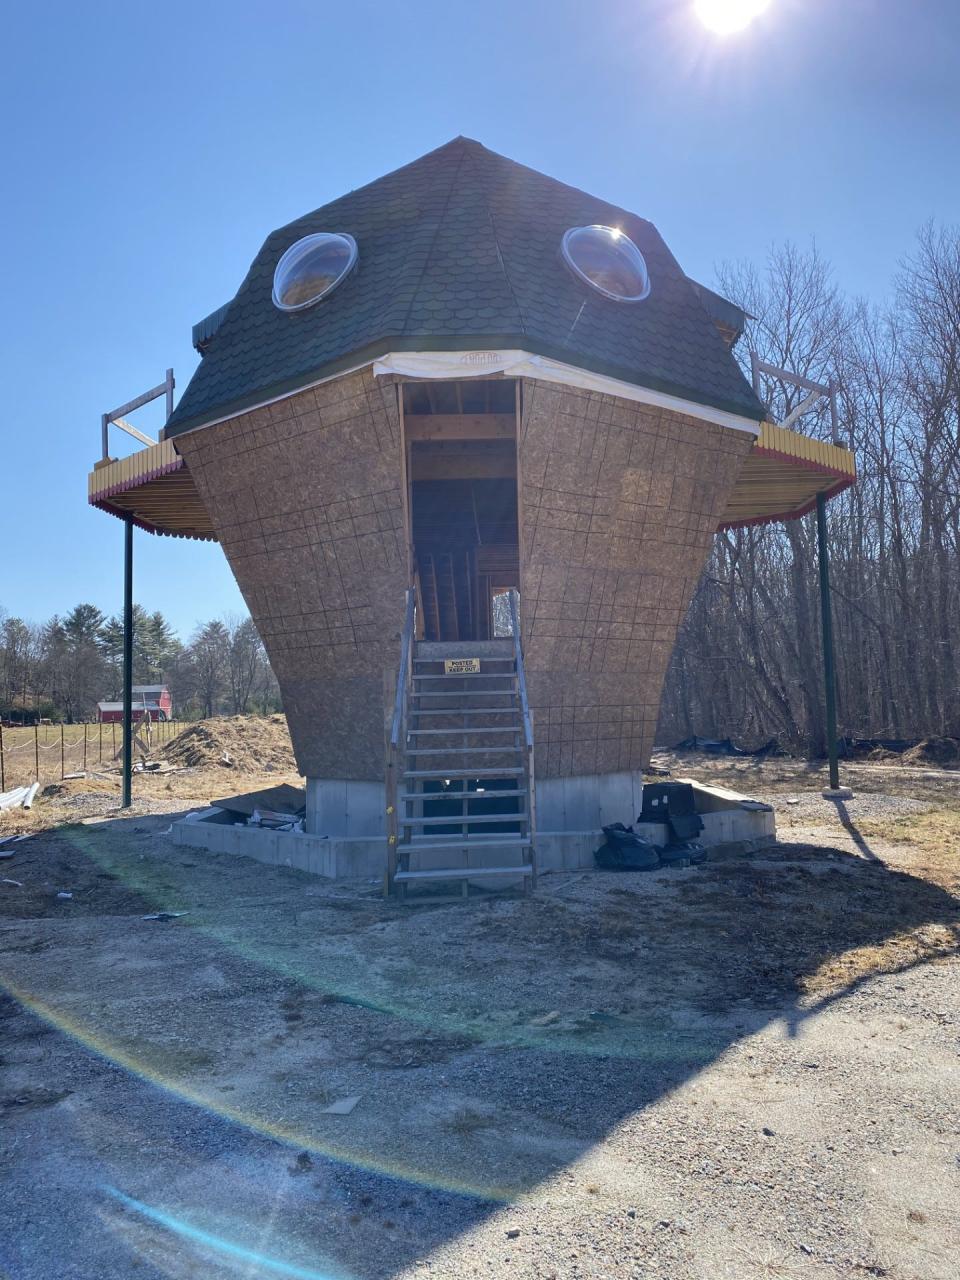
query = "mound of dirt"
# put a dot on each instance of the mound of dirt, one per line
(250, 744)
(940, 753)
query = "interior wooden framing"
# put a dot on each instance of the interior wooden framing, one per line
(461, 490)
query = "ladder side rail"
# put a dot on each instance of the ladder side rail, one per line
(514, 599)
(404, 673)
(397, 722)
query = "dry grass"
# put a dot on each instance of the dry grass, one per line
(936, 832)
(785, 775)
(23, 747)
(213, 757)
(933, 839)
(931, 944)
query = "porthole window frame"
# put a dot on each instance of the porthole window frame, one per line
(582, 276)
(297, 250)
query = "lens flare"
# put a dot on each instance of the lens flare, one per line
(724, 17)
(228, 1250)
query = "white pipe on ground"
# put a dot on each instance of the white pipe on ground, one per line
(31, 795)
(13, 799)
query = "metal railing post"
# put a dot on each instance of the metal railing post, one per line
(826, 623)
(127, 763)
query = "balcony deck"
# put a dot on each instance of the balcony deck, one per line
(780, 480)
(153, 486)
(782, 476)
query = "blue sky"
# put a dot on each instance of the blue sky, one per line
(148, 149)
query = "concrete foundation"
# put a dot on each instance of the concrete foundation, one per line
(731, 821)
(340, 808)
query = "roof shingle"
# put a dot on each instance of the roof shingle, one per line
(460, 250)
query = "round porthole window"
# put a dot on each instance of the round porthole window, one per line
(608, 261)
(312, 268)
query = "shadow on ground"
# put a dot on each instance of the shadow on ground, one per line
(166, 1084)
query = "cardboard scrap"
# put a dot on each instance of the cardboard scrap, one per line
(280, 803)
(342, 1106)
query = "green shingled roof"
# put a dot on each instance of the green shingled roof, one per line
(460, 250)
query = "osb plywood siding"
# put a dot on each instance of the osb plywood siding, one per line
(305, 496)
(619, 505)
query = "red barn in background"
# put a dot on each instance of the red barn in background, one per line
(152, 699)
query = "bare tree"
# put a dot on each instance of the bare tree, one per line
(210, 653)
(747, 662)
(245, 662)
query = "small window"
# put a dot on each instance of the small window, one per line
(312, 268)
(607, 260)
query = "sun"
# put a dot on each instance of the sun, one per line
(726, 16)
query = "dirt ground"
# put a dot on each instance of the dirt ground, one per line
(744, 1069)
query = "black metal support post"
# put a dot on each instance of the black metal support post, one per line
(127, 660)
(826, 622)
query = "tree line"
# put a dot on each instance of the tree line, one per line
(747, 664)
(62, 668)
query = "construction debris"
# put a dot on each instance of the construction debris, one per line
(342, 1107)
(19, 797)
(724, 747)
(163, 916)
(279, 808)
(13, 799)
(243, 743)
(624, 850)
(8, 853)
(941, 752)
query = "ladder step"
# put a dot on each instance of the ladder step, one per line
(454, 731)
(464, 873)
(463, 751)
(460, 693)
(468, 842)
(460, 795)
(458, 820)
(458, 658)
(466, 711)
(511, 772)
(466, 675)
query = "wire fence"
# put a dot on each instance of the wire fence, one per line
(52, 752)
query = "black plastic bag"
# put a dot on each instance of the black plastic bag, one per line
(691, 851)
(624, 850)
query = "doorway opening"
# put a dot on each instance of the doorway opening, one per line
(461, 449)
